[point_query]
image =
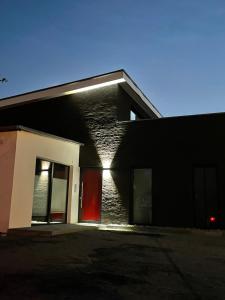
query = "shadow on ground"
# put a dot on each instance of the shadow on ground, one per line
(100, 265)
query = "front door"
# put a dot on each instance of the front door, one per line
(90, 195)
(142, 196)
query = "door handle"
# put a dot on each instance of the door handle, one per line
(81, 196)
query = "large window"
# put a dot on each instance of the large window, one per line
(50, 192)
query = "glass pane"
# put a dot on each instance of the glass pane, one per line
(132, 116)
(142, 193)
(59, 194)
(41, 186)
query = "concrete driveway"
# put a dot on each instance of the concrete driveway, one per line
(97, 264)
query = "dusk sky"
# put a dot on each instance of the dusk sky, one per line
(173, 49)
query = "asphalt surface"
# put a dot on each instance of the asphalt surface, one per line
(97, 264)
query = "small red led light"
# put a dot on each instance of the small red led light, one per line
(212, 219)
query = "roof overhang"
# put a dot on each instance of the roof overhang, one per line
(117, 77)
(37, 132)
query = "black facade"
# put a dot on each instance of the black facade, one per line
(177, 149)
(185, 154)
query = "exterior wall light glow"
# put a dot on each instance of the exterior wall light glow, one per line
(44, 173)
(106, 164)
(45, 165)
(106, 168)
(106, 174)
(95, 86)
(111, 227)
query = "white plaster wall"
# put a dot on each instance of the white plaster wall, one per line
(7, 156)
(29, 146)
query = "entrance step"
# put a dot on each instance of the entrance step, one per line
(48, 230)
(59, 229)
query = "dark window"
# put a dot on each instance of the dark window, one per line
(205, 189)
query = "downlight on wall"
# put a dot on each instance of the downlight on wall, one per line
(106, 164)
(106, 168)
(45, 166)
(106, 173)
(95, 86)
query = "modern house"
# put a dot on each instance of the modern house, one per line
(136, 167)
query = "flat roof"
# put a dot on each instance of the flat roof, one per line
(116, 77)
(42, 133)
(181, 117)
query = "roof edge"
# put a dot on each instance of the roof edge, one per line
(38, 132)
(118, 76)
(63, 84)
(138, 91)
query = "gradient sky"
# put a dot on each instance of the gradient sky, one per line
(173, 49)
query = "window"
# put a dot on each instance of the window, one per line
(50, 192)
(133, 116)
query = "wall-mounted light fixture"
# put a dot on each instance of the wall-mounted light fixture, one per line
(45, 165)
(42, 167)
(106, 173)
(106, 163)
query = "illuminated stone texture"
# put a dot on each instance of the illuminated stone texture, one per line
(115, 197)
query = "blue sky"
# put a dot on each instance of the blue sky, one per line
(174, 50)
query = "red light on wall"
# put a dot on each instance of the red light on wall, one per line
(212, 219)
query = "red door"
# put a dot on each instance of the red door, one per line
(90, 195)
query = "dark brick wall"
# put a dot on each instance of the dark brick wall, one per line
(116, 196)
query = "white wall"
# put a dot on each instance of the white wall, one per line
(29, 146)
(7, 157)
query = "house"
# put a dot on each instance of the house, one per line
(136, 167)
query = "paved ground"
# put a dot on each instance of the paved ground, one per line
(107, 265)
